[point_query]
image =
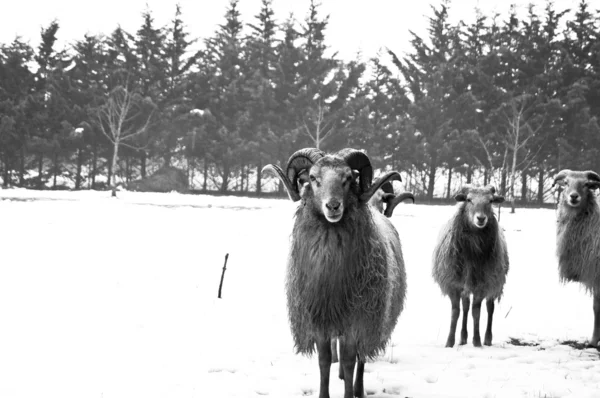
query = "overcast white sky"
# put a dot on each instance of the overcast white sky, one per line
(354, 25)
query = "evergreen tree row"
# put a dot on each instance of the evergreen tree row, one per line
(506, 99)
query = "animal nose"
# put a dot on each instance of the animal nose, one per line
(574, 197)
(333, 205)
(481, 219)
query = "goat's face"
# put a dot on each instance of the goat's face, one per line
(577, 187)
(330, 179)
(478, 206)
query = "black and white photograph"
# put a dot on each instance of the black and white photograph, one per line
(300, 198)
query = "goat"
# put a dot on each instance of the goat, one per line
(471, 258)
(577, 235)
(345, 274)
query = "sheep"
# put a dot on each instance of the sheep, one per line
(345, 276)
(385, 195)
(577, 235)
(471, 257)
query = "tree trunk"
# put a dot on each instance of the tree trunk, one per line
(503, 183)
(166, 159)
(143, 159)
(94, 166)
(431, 182)
(55, 170)
(6, 174)
(540, 195)
(259, 178)
(127, 169)
(469, 174)
(40, 171)
(225, 177)
(204, 185)
(22, 167)
(486, 177)
(79, 164)
(449, 182)
(524, 186)
(114, 168)
(241, 178)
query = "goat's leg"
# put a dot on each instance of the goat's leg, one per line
(596, 334)
(348, 354)
(466, 303)
(489, 303)
(476, 314)
(455, 301)
(324, 351)
(359, 389)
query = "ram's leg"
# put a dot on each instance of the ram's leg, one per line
(455, 301)
(334, 350)
(324, 351)
(596, 334)
(340, 367)
(348, 354)
(466, 303)
(359, 387)
(476, 314)
(489, 303)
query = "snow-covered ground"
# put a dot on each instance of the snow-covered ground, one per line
(106, 298)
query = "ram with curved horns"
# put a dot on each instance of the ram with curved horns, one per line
(345, 275)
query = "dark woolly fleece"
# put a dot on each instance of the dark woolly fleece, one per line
(578, 243)
(345, 278)
(469, 259)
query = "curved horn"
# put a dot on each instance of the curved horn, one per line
(561, 176)
(394, 201)
(276, 171)
(302, 159)
(358, 160)
(388, 177)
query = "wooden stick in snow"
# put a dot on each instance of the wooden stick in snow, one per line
(223, 274)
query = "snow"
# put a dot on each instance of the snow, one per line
(104, 297)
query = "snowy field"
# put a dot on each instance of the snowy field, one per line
(117, 298)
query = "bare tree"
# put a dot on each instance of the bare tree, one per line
(518, 132)
(121, 118)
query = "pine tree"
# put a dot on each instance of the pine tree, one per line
(17, 85)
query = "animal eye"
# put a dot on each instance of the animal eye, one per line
(469, 200)
(312, 178)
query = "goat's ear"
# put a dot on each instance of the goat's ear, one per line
(460, 197)
(497, 199)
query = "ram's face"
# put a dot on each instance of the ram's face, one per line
(479, 204)
(330, 180)
(479, 207)
(575, 190)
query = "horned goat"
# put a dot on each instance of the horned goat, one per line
(345, 274)
(577, 235)
(471, 258)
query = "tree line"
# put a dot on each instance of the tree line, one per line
(504, 99)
